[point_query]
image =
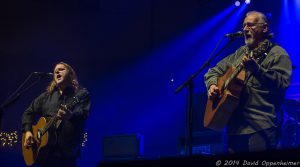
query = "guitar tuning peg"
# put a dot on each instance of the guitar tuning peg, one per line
(63, 107)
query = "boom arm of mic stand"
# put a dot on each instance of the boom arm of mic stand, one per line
(207, 63)
(15, 96)
(189, 84)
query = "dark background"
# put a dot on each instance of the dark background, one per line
(127, 53)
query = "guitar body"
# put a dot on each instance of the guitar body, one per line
(218, 112)
(36, 152)
(44, 133)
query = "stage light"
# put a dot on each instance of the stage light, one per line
(85, 139)
(268, 15)
(247, 1)
(237, 3)
(8, 139)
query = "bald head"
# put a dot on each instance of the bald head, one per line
(261, 18)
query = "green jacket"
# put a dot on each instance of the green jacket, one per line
(263, 93)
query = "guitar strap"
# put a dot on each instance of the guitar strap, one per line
(260, 58)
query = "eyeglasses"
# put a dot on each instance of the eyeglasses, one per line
(250, 25)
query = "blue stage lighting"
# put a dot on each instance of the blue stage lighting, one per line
(237, 3)
(247, 1)
(268, 15)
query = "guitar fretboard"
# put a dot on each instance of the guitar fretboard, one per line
(237, 70)
(53, 120)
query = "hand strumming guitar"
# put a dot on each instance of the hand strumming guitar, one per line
(29, 140)
(213, 92)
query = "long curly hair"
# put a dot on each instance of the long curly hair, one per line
(71, 76)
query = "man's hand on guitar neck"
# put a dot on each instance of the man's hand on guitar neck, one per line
(213, 92)
(250, 64)
(29, 140)
(64, 113)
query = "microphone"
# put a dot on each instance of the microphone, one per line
(43, 74)
(235, 35)
(270, 35)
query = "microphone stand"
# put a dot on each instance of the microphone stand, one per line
(190, 86)
(16, 95)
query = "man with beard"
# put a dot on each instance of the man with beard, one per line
(255, 123)
(59, 102)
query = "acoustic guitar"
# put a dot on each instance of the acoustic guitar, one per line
(218, 112)
(44, 133)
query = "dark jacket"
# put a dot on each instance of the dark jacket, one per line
(69, 132)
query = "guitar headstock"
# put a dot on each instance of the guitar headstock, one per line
(79, 97)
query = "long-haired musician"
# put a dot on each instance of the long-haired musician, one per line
(66, 133)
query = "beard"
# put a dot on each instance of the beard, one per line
(249, 42)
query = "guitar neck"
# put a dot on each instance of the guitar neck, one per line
(234, 74)
(238, 69)
(51, 122)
